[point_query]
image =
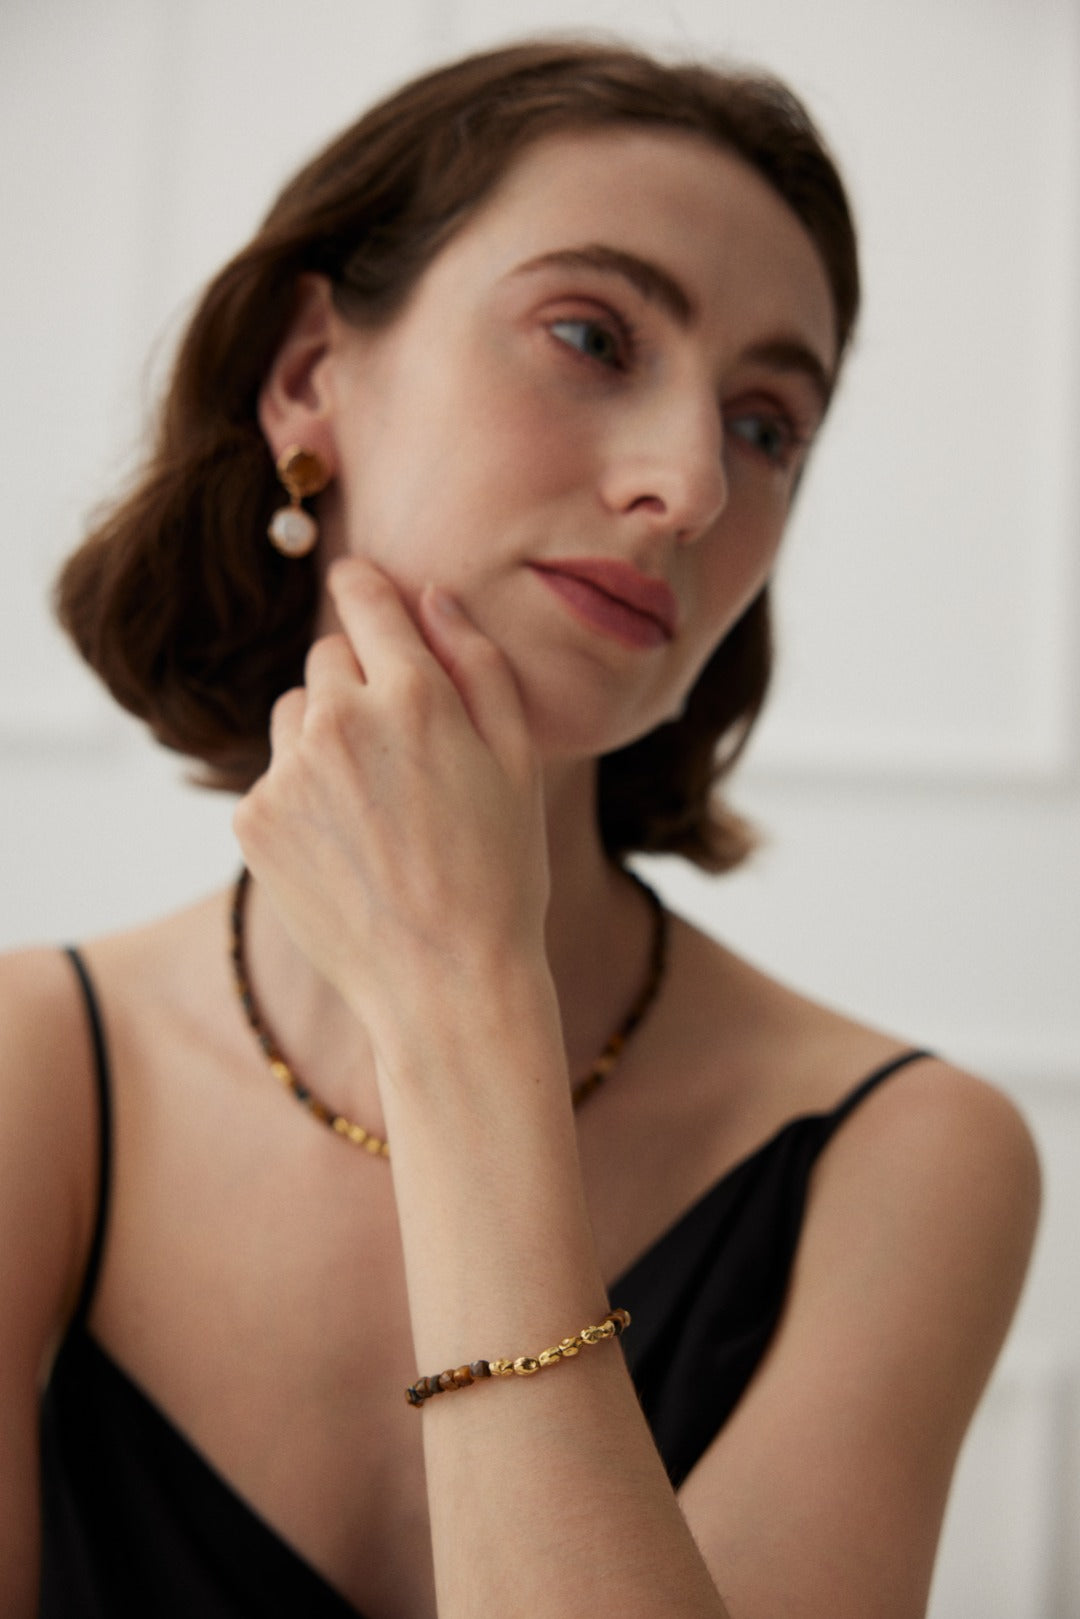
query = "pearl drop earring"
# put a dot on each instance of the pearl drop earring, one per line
(292, 530)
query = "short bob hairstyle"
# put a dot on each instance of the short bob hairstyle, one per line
(192, 620)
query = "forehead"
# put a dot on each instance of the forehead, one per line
(674, 198)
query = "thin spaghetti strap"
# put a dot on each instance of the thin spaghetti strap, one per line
(872, 1081)
(104, 1102)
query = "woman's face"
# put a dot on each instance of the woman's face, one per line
(588, 420)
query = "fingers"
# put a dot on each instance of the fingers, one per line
(287, 718)
(331, 673)
(479, 670)
(374, 617)
(332, 664)
(381, 632)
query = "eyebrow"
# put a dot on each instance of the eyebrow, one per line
(789, 354)
(647, 278)
(660, 287)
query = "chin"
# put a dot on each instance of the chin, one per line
(580, 731)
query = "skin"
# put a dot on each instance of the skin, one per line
(434, 934)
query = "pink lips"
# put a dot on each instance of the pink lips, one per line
(614, 597)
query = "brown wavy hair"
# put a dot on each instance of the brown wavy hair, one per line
(195, 624)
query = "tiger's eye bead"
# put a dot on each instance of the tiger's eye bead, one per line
(462, 1377)
(446, 1380)
(480, 1368)
(621, 1320)
(526, 1365)
(548, 1357)
(569, 1347)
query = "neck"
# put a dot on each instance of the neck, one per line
(599, 928)
(598, 934)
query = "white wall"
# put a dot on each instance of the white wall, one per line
(919, 772)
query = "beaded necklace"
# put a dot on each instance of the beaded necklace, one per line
(356, 1133)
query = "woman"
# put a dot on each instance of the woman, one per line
(543, 343)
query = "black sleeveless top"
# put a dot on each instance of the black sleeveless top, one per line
(136, 1520)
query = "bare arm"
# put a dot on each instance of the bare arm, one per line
(46, 1203)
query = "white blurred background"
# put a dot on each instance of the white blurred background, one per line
(919, 771)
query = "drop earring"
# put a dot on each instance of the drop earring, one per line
(292, 530)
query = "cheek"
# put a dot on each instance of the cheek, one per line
(737, 561)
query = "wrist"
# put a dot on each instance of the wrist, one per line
(457, 1017)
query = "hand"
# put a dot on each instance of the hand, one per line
(399, 828)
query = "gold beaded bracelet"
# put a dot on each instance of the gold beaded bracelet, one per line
(613, 1325)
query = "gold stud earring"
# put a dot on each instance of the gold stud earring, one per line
(292, 530)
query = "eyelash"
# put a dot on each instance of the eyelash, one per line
(776, 420)
(611, 326)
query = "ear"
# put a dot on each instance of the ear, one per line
(295, 400)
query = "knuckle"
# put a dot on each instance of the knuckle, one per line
(249, 816)
(329, 721)
(286, 705)
(410, 688)
(325, 654)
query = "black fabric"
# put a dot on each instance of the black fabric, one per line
(136, 1520)
(705, 1299)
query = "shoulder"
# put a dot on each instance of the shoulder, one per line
(939, 1165)
(937, 1135)
(806, 1056)
(934, 1167)
(48, 1147)
(45, 1046)
(49, 1098)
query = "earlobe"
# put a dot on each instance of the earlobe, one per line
(294, 400)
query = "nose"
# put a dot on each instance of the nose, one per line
(666, 463)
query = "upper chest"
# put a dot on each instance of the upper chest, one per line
(254, 1283)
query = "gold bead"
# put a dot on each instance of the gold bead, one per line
(373, 1144)
(549, 1357)
(281, 1071)
(501, 1368)
(606, 1329)
(526, 1365)
(569, 1347)
(590, 1335)
(357, 1133)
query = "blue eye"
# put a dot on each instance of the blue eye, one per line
(591, 338)
(772, 436)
